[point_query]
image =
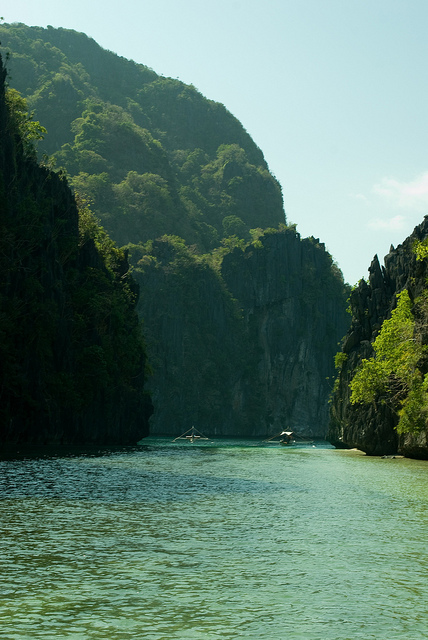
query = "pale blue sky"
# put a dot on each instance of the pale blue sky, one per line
(334, 92)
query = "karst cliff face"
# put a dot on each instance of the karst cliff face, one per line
(372, 427)
(293, 305)
(247, 352)
(72, 363)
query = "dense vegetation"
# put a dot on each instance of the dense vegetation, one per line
(380, 401)
(152, 154)
(179, 184)
(393, 374)
(71, 350)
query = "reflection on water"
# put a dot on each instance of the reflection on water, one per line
(213, 540)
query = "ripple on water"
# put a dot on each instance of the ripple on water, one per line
(215, 542)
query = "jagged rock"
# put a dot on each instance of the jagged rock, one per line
(414, 445)
(372, 428)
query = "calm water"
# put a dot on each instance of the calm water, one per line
(204, 541)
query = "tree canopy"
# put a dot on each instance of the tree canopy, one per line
(127, 136)
(394, 374)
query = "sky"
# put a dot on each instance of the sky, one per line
(334, 92)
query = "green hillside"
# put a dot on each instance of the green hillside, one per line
(241, 316)
(151, 154)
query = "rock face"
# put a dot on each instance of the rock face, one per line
(247, 352)
(71, 355)
(294, 313)
(371, 428)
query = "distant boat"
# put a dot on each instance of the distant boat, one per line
(283, 437)
(288, 438)
(191, 435)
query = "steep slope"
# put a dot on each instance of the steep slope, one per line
(371, 427)
(247, 350)
(176, 179)
(71, 351)
(292, 297)
(151, 153)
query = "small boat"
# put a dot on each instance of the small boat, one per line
(285, 437)
(191, 435)
(288, 438)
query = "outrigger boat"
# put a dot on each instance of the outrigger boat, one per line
(285, 437)
(192, 435)
(288, 438)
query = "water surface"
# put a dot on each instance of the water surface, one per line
(213, 540)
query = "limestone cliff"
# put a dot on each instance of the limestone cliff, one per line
(242, 346)
(248, 351)
(293, 303)
(72, 363)
(371, 428)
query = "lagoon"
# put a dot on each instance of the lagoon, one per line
(225, 539)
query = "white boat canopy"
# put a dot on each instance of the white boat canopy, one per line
(191, 434)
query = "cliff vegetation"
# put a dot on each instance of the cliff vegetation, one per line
(241, 315)
(152, 154)
(380, 403)
(72, 355)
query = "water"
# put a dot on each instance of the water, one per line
(204, 541)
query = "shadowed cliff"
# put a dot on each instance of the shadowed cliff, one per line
(247, 350)
(292, 297)
(71, 353)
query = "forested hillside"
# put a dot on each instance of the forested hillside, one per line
(71, 351)
(241, 316)
(151, 153)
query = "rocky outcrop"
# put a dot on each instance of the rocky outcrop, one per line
(372, 428)
(249, 351)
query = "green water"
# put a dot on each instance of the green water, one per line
(205, 541)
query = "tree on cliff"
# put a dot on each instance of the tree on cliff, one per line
(22, 124)
(380, 401)
(393, 374)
